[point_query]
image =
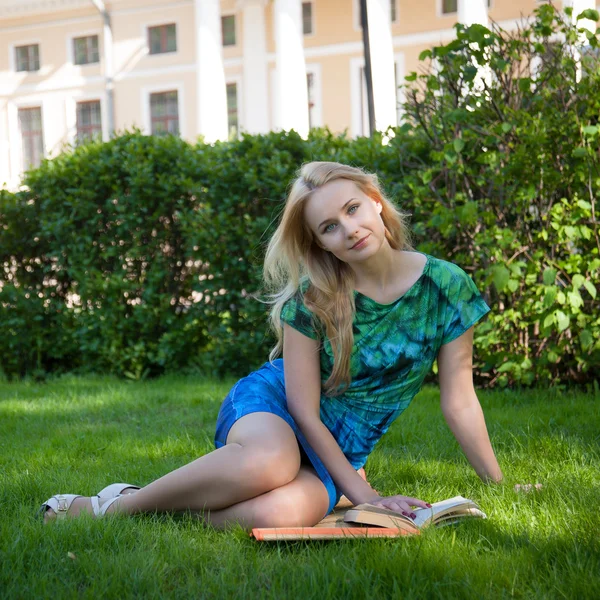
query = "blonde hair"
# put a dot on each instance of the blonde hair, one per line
(293, 257)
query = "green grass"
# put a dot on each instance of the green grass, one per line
(76, 435)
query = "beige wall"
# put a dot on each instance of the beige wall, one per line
(335, 47)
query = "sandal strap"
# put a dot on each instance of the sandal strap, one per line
(100, 511)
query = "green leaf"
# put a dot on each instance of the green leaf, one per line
(459, 144)
(500, 277)
(549, 276)
(550, 296)
(507, 366)
(425, 54)
(591, 288)
(506, 127)
(575, 299)
(578, 281)
(562, 320)
(579, 152)
(589, 13)
(586, 338)
(590, 130)
(513, 285)
(524, 84)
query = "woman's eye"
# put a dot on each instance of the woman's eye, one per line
(353, 209)
(329, 228)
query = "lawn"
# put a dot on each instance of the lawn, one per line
(76, 435)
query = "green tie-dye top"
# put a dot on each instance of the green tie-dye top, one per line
(394, 348)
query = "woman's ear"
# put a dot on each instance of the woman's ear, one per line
(378, 205)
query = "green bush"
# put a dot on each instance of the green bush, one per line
(143, 254)
(501, 161)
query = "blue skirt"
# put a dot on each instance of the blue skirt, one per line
(264, 391)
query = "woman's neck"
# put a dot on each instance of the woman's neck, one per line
(380, 271)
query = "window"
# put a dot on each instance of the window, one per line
(232, 110)
(85, 50)
(28, 57)
(162, 39)
(228, 30)
(451, 6)
(164, 113)
(307, 18)
(310, 85)
(89, 120)
(32, 142)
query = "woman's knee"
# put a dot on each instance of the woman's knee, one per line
(272, 466)
(301, 503)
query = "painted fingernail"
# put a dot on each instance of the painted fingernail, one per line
(405, 513)
(413, 516)
(428, 505)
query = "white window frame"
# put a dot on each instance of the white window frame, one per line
(170, 86)
(231, 13)
(12, 58)
(315, 69)
(70, 49)
(145, 26)
(14, 130)
(313, 23)
(71, 110)
(238, 80)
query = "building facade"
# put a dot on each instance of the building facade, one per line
(70, 69)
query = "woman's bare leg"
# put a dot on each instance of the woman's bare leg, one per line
(300, 503)
(261, 454)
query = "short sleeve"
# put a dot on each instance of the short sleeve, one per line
(464, 305)
(296, 315)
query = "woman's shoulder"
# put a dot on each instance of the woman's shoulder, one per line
(444, 271)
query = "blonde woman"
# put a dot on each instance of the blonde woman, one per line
(360, 319)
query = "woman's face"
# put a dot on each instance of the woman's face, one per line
(345, 221)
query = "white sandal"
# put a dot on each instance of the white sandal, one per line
(61, 503)
(115, 489)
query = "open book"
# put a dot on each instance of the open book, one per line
(440, 513)
(366, 520)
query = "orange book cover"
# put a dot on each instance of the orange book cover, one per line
(268, 534)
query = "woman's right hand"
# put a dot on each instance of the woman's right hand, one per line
(401, 504)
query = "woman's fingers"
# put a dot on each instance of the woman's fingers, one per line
(417, 502)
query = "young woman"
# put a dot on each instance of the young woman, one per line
(360, 318)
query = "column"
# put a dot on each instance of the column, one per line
(211, 98)
(255, 104)
(473, 11)
(382, 63)
(290, 90)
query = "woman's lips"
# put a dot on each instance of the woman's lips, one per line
(360, 243)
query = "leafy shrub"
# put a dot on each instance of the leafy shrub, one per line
(500, 156)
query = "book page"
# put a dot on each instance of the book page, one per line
(426, 515)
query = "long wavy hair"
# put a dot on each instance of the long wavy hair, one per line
(294, 259)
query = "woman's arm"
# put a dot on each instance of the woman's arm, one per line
(461, 407)
(303, 393)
